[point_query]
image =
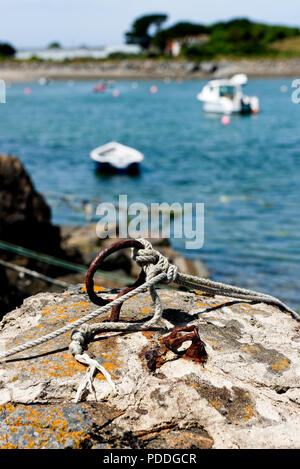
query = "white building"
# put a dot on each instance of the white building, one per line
(61, 54)
(174, 45)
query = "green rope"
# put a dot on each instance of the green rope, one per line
(51, 260)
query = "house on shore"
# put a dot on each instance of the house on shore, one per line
(174, 45)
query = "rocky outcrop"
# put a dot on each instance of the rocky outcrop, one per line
(25, 220)
(24, 214)
(246, 395)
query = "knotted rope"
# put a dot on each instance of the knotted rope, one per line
(158, 270)
(153, 262)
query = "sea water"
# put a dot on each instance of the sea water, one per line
(246, 173)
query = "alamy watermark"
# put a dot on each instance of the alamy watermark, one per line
(296, 93)
(180, 221)
(2, 92)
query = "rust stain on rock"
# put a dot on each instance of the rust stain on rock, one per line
(148, 334)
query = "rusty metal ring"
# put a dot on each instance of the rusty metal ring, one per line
(96, 263)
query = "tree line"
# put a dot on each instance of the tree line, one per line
(238, 37)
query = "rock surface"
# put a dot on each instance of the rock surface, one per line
(246, 395)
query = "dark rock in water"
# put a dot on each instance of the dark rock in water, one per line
(24, 221)
(24, 214)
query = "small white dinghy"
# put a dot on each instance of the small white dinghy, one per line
(115, 157)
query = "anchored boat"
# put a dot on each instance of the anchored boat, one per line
(226, 96)
(115, 157)
(99, 88)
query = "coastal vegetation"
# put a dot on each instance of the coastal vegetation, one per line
(54, 45)
(6, 50)
(140, 34)
(236, 38)
(241, 37)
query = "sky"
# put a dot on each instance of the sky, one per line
(36, 23)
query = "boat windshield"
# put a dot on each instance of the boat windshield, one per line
(227, 91)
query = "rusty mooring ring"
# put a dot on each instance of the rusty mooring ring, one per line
(96, 263)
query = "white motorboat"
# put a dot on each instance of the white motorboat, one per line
(115, 157)
(226, 96)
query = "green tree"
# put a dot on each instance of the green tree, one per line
(139, 33)
(7, 50)
(54, 45)
(240, 37)
(179, 30)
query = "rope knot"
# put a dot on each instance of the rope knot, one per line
(153, 262)
(79, 339)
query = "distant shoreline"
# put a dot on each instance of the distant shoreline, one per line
(13, 71)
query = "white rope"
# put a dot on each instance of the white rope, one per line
(104, 309)
(33, 273)
(149, 256)
(87, 381)
(224, 289)
(158, 270)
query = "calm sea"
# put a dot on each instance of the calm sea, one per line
(247, 173)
